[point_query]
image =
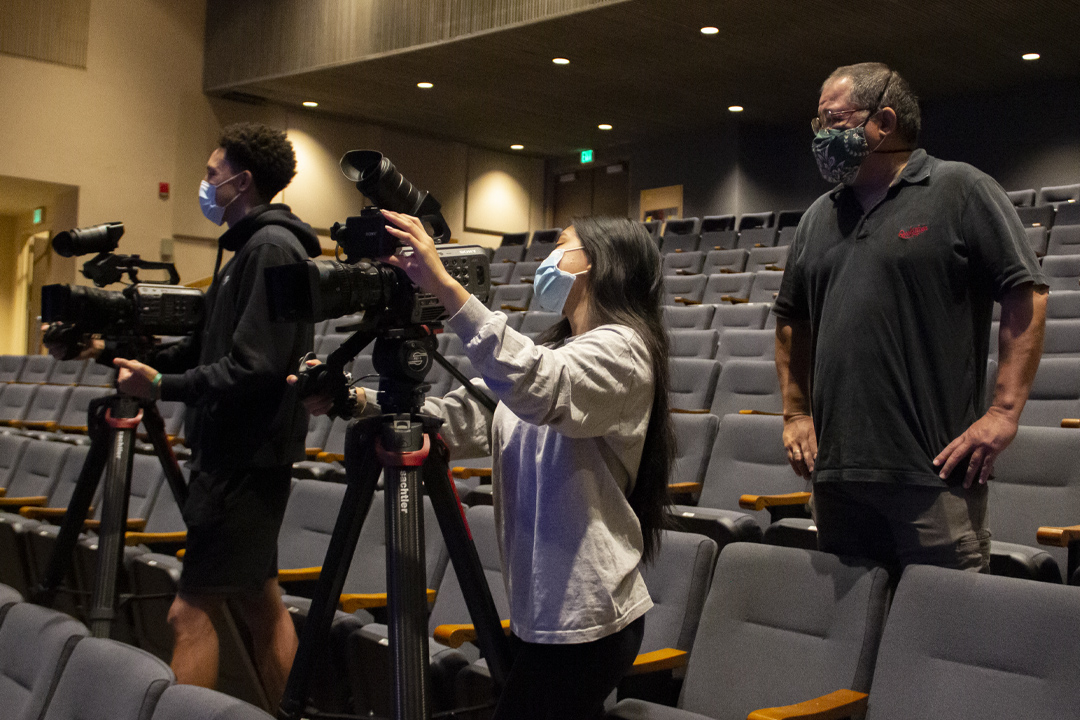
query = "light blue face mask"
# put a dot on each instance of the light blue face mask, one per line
(208, 200)
(552, 284)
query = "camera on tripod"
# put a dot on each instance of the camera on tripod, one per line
(397, 313)
(129, 319)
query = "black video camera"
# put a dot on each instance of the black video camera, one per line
(396, 312)
(129, 319)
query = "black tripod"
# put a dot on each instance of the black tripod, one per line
(405, 444)
(111, 423)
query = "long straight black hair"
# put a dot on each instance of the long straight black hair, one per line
(626, 287)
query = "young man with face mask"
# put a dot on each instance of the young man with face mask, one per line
(882, 334)
(243, 422)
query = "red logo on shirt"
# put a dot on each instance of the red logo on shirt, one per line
(913, 231)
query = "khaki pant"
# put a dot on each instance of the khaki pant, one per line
(900, 525)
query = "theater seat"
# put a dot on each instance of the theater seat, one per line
(188, 702)
(34, 646)
(718, 233)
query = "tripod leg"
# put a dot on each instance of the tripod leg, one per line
(403, 450)
(79, 505)
(155, 428)
(114, 507)
(493, 643)
(362, 471)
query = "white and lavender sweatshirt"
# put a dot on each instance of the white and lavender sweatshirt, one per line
(566, 440)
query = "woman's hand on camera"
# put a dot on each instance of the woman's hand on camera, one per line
(424, 266)
(322, 404)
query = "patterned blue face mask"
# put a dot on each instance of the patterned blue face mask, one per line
(552, 284)
(840, 152)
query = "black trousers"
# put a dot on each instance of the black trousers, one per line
(567, 682)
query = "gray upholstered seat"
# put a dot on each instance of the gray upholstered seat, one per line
(688, 317)
(692, 382)
(966, 646)
(10, 367)
(1062, 272)
(688, 262)
(727, 287)
(748, 343)
(747, 384)
(534, 323)
(681, 235)
(105, 680)
(742, 315)
(767, 258)
(1064, 240)
(724, 261)
(693, 343)
(780, 625)
(1055, 393)
(766, 285)
(67, 372)
(511, 297)
(696, 435)
(718, 232)
(34, 642)
(37, 369)
(678, 288)
(188, 702)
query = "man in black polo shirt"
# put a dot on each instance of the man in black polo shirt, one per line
(883, 328)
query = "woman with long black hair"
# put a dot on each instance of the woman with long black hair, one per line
(581, 446)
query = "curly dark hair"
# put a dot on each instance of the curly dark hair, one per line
(263, 151)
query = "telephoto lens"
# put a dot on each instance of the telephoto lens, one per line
(83, 241)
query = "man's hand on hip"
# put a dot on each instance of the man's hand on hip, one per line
(983, 441)
(800, 440)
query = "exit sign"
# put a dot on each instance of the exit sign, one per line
(586, 156)
(39, 215)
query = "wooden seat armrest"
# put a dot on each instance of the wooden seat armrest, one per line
(687, 301)
(774, 267)
(80, 429)
(462, 473)
(49, 425)
(513, 308)
(665, 659)
(834, 706)
(760, 245)
(684, 487)
(760, 412)
(527, 280)
(299, 574)
(1072, 423)
(36, 512)
(180, 553)
(760, 502)
(457, 635)
(734, 300)
(689, 412)
(312, 453)
(133, 524)
(32, 501)
(153, 538)
(351, 602)
(728, 271)
(3, 492)
(1058, 536)
(331, 457)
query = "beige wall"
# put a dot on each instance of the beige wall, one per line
(137, 116)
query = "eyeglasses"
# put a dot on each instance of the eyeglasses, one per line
(832, 118)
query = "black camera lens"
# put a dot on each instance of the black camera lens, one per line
(377, 178)
(83, 241)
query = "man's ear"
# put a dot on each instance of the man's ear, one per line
(245, 182)
(886, 120)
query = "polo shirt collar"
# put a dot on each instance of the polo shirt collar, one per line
(916, 171)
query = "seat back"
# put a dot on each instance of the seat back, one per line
(1063, 305)
(34, 645)
(535, 322)
(1067, 214)
(78, 405)
(12, 448)
(689, 262)
(681, 235)
(748, 343)
(767, 258)
(39, 470)
(1055, 393)
(727, 287)
(1062, 338)
(689, 287)
(687, 317)
(10, 367)
(724, 261)
(1064, 240)
(48, 405)
(748, 457)
(1009, 649)
(1036, 482)
(308, 523)
(1022, 198)
(1037, 239)
(696, 434)
(718, 232)
(15, 401)
(98, 375)
(189, 702)
(67, 372)
(105, 680)
(653, 227)
(782, 625)
(742, 315)
(523, 273)
(692, 383)
(678, 580)
(511, 297)
(449, 607)
(746, 384)
(1055, 194)
(37, 369)
(693, 343)
(1041, 216)
(766, 285)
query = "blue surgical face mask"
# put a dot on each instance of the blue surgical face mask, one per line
(552, 284)
(208, 200)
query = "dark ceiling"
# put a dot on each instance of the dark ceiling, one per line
(644, 67)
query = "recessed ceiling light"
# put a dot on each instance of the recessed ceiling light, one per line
(709, 30)
(735, 108)
(424, 85)
(310, 103)
(604, 126)
(560, 61)
(1030, 56)
(517, 147)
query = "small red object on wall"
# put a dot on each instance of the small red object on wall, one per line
(163, 191)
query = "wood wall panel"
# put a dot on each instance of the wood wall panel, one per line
(52, 30)
(250, 40)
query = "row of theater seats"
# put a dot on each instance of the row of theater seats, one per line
(50, 669)
(720, 462)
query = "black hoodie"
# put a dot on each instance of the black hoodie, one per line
(231, 373)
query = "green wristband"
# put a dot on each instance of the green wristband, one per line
(155, 387)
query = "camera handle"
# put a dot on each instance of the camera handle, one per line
(111, 423)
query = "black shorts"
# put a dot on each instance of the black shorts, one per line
(233, 518)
